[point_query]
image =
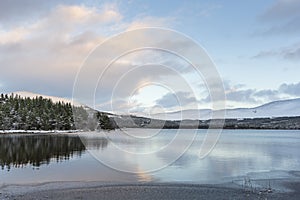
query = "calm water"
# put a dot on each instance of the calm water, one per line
(152, 155)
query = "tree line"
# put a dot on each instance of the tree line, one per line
(18, 113)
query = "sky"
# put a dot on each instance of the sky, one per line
(254, 45)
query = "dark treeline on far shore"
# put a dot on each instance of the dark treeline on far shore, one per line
(17, 113)
(247, 123)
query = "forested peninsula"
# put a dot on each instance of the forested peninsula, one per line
(19, 113)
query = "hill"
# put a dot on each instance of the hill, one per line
(282, 108)
(35, 112)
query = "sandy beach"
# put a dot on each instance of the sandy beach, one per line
(281, 189)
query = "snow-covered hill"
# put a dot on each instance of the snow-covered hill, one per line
(53, 98)
(283, 108)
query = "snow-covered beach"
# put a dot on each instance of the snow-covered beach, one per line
(38, 131)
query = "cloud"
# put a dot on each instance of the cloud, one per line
(282, 17)
(267, 94)
(252, 96)
(293, 54)
(149, 21)
(13, 36)
(266, 54)
(85, 15)
(45, 56)
(15, 12)
(44, 53)
(289, 53)
(281, 9)
(239, 94)
(121, 106)
(199, 9)
(291, 89)
(261, 93)
(178, 99)
(291, 27)
(233, 92)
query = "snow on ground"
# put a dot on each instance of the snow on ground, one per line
(283, 108)
(37, 131)
(25, 94)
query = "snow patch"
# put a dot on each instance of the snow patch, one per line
(31, 95)
(283, 108)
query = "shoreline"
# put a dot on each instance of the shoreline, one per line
(3, 132)
(237, 188)
(38, 131)
(151, 190)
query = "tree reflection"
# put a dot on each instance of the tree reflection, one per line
(20, 150)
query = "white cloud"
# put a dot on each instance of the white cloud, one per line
(13, 36)
(88, 15)
(44, 55)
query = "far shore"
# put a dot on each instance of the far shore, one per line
(2, 132)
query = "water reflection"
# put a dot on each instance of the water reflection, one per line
(95, 142)
(21, 150)
(238, 153)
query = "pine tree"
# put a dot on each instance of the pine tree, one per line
(104, 121)
(43, 114)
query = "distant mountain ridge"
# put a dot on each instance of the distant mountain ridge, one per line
(281, 108)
